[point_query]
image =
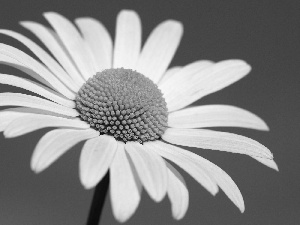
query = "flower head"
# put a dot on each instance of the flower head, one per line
(128, 107)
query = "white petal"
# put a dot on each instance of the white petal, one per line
(267, 162)
(36, 88)
(174, 154)
(192, 167)
(6, 60)
(215, 116)
(159, 49)
(168, 74)
(9, 115)
(27, 61)
(18, 99)
(124, 190)
(209, 80)
(216, 140)
(73, 42)
(6, 117)
(28, 123)
(45, 58)
(128, 40)
(55, 143)
(225, 183)
(151, 169)
(99, 41)
(183, 76)
(177, 192)
(50, 41)
(95, 159)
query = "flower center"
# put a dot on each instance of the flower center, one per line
(124, 104)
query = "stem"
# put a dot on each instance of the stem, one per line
(98, 201)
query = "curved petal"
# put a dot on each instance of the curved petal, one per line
(49, 40)
(225, 183)
(6, 60)
(95, 159)
(18, 99)
(27, 61)
(35, 88)
(207, 81)
(99, 41)
(267, 162)
(55, 68)
(177, 192)
(193, 168)
(183, 76)
(159, 49)
(168, 74)
(9, 115)
(124, 190)
(73, 42)
(28, 123)
(151, 169)
(128, 40)
(217, 174)
(215, 116)
(216, 140)
(6, 117)
(55, 143)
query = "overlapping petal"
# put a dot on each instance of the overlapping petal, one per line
(36, 88)
(125, 189)
(53, 66)
(168, 74)
(26, 61)
(99, 41)
(55, 143)
(193, 168)
(95, 159)
(51, 41)
(151, 169)
(222, 179)
(216, 140)
(18, 99)
(73, 42)
(182, 76)
(215, 116)
(28, 123)
(208, 80)
(177, 192)
(159, 49)
(9, 115)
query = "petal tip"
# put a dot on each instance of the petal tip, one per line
(175, 24)
(128, 11)
(264, 126)
(34, 167)
(25, 23)
(242, 209)
(87, 186)
(51, 14)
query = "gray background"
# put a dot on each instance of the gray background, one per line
(264, 33)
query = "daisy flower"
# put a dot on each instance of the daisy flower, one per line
(129, 108)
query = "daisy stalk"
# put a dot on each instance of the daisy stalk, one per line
(130, 109)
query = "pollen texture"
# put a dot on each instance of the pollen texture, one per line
(124, 104)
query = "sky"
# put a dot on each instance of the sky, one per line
(266, 34)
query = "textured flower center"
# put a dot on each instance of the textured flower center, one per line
(124, 104)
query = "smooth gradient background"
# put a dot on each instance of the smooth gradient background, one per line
(266, 34)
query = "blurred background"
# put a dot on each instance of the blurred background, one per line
(266, 34)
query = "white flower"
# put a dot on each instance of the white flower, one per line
(140, 109)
